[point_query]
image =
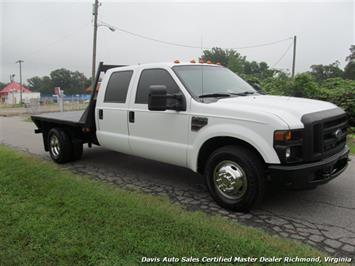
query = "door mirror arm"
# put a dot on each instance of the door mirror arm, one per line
(179, 105)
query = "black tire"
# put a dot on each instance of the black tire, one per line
(61, 147)
(77, 151)
(241, 161)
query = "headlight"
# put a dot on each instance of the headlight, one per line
(288, 145)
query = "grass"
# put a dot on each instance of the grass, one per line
(50, 216)
(351, 143)
(27, 119)
(4, 105)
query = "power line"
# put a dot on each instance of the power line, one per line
(283, 55)
(156, 40)
(193, 46)
(261, 45)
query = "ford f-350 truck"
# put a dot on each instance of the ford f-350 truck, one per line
(206, 118)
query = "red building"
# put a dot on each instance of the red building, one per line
(11, 93)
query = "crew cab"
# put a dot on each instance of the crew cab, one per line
(206, 118)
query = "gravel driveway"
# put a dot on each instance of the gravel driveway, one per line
(324, 217)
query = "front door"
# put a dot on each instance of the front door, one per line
(157, 135)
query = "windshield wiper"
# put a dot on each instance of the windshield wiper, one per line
(244, 93)
(214, 95)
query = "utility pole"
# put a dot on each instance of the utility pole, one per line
(20, 62)
(294, 56)
(95, 14)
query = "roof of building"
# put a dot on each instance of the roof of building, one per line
(14, 86)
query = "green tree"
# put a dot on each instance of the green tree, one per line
(322, 72)
(47, 85)
(304, 85)
(349, 70)
(78, 82)
(216, 55)
(280, 84)
(34, 83)
(43, 85)
(2, 85)
(70, 82)
(61, 78)
(342, 93)
(237, 63)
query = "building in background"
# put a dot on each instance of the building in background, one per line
(11, 94)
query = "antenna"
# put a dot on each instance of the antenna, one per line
(202, 65)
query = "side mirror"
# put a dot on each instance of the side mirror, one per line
(157, 99)
(258, 88)
(160, 100)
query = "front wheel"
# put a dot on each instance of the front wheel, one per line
(235, 177)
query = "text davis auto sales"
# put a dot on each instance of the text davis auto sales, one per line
(232, 259)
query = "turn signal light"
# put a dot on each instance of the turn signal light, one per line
(283, 135)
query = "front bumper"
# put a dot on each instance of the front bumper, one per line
(311, 174)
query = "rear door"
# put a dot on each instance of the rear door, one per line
(157, 135)
(112, 111)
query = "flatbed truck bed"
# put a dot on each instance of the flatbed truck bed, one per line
(79, 125)
(71, 118)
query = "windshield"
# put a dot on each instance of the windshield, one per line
(211, 80)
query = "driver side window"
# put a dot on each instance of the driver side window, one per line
(154, 77)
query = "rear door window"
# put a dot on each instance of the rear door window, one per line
(117, 87)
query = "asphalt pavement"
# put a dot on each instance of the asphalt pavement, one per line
(323, 217)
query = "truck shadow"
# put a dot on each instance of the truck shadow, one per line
(152, 173)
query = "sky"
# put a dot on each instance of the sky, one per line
(49, 35)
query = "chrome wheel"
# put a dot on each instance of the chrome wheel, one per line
(54, 145)
(230, 180)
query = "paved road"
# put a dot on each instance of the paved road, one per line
(324, 217)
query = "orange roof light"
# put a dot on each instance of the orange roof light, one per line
(201, 61)
(177, 61)
(218, 63)
(193, 61)
(209, 62)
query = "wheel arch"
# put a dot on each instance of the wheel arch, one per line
(214, 143)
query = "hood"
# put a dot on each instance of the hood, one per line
(289, 109)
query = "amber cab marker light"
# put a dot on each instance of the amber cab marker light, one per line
(177, 61)
(209, 62)
(193, 61)
(282, 135)
(201, 61)
(218, 63)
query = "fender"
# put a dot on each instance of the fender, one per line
(240, 132)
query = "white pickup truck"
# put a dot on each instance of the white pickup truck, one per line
(205, 118)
